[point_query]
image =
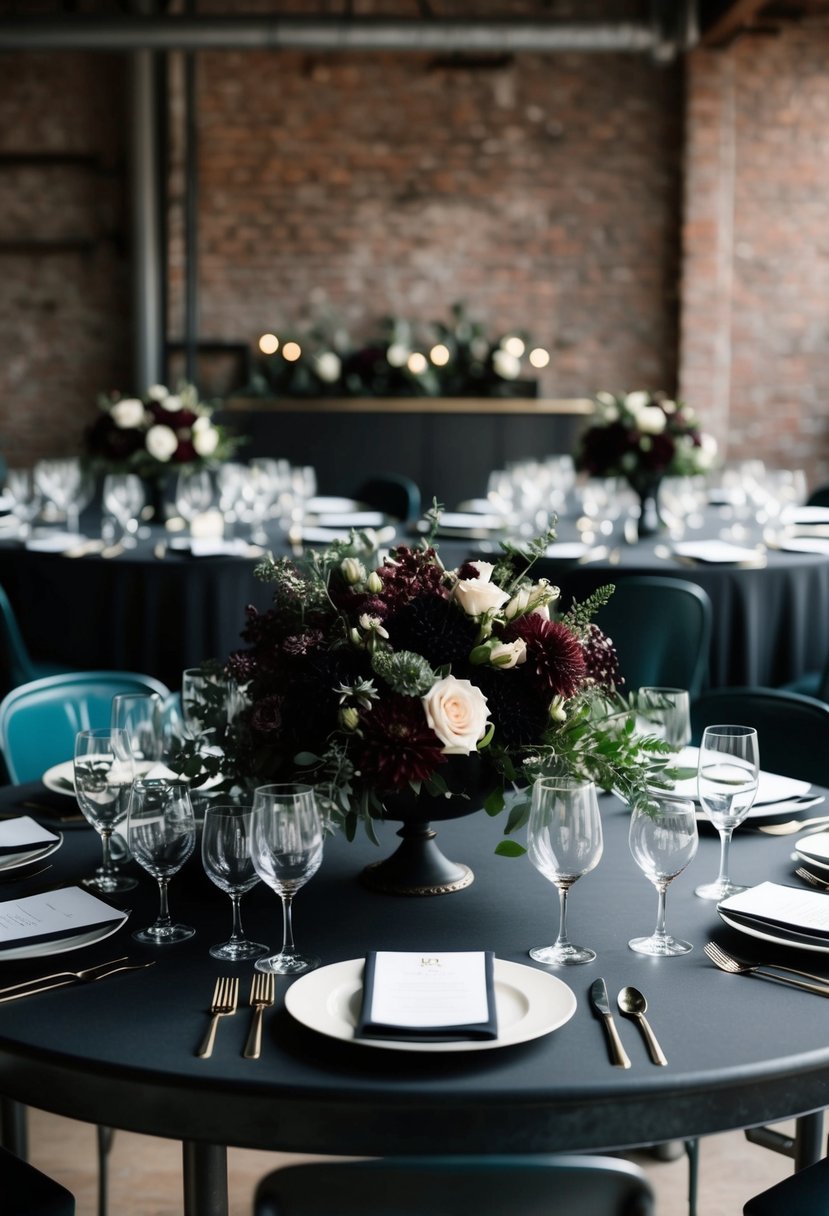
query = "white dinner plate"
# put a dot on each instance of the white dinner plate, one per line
(803, 847)
(43, 949)
(766, 936)
(530, 1003)
(27, 857)
(55, 778)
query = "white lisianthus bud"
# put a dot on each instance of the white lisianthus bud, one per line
(374, 583)
(171, 403)
(637, 401)
(205, 439)
(519, 604)
(509, 654)
(157, 392)
(353, 570)
(354, 634)
(129, 412)
(651, 420)
(557, 711)
(328, 367)
(161, 442)
(456, 710)
(668, 406)
(349, 718)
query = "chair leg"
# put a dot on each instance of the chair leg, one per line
(104, 1138)
(692, 1152)
(807, 1140)
(13, 1130)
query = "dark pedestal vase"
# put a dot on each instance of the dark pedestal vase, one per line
(647, 488)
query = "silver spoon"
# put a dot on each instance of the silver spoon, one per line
(632, 1003)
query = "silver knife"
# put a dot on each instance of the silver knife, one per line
(598, 997)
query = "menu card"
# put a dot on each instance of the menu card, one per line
(53, 915)
(23, 835)
(437, 997)
(789, 912)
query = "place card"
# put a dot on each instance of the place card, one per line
(409, 995)
(797, 915)
(23, 835)
(53, 915)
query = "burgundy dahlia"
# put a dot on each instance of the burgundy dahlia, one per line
(411, 572)
(601, 658)
(398, 745)
(554, 653)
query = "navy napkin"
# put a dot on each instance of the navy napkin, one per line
(368, 1027)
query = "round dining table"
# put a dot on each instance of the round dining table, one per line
(122, 1051)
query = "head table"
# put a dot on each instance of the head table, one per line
(122, 1051)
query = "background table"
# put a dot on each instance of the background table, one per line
(121, 1052)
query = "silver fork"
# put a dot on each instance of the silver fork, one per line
(223, 1004)
(63, 978)
(811, 878)
(261, 998)
(735, 966)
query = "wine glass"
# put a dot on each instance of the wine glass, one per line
(286, 846)
(225, 851)
(194, 494)
(666, 713)
(103, 771)
(162, 835)
(138, 716)
(24, 493)
(564, 842)
(663, 839)
(123, 498)
(729, 769)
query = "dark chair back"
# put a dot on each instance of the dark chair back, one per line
(792, 730)
(39, 720)
(805, 1193)
(661, 628)
(433, 1186)
(393, 493)
(25, 1191)
(819, 497)
(16, 666)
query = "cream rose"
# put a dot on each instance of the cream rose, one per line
(651, 420)
(205, 439)
(479, 595)
(172, 403)
(161, 442)
(129, 412)
(637, 401)
(457, 712)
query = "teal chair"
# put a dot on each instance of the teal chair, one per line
(25, 1191)
(433, 1186)
(661, 628)
(812, 684)
(393, 493)
(805, 1193)
(793, 730)
(16, 664)
(39, 720)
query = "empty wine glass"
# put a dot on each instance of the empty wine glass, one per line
(123, 498)
(666, 713)
(286, 847)
(729, 769)
(564, 841)
(162, 835)
(226, 856)
(209, 701)
(103, 772)
(138, 716)
(194, 494)
(23, 491)
(663, 839)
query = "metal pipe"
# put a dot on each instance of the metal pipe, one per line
(191, 221)
(320, 33)
(145, 225)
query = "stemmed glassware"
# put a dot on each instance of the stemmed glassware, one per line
(286, 847)
(24, 493)
(663, 839)
(194, 494)
(103, 771)
(226, 856)
(729, 769)
(139, 717)
(162, 835)
(665, 712)
(123, 498)
(564, 842)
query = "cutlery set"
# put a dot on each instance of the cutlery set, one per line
(224, 1004)
(632, 1004)
(735, 966)
(60, 979)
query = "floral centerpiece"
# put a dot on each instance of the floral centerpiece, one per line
(377, 684)
(149, 435)
(643, 437)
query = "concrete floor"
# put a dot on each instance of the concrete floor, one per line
(145, 1173)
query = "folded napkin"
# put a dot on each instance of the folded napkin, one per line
(55, 542)
(797, 916)
(806, 544)
(806, 515)
(53, 915)
(718, 551)
(23, 835)
(771, 787)
(566, 549)
(439, 997)
(213, 546)
(351, 519)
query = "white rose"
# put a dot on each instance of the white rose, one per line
(161, 442)
(205, 439)
(478, 595)
(605, 398)
(457, 712)
(509, 654)
(651, 420)
(506, 365)
(157, 392)
(129, 412)
(637, 401)
(171, 403)
(328, 367)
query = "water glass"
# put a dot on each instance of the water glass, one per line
(666, 713)
(226, 856)
(103, 773)
(663, 839)
(139, 717)
(729, 769)
(23, 491)
(564, 839)
(287, 852)
(194, 493)
(162, 836)
(123, 499)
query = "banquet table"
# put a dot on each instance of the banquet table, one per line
(121, 1052)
